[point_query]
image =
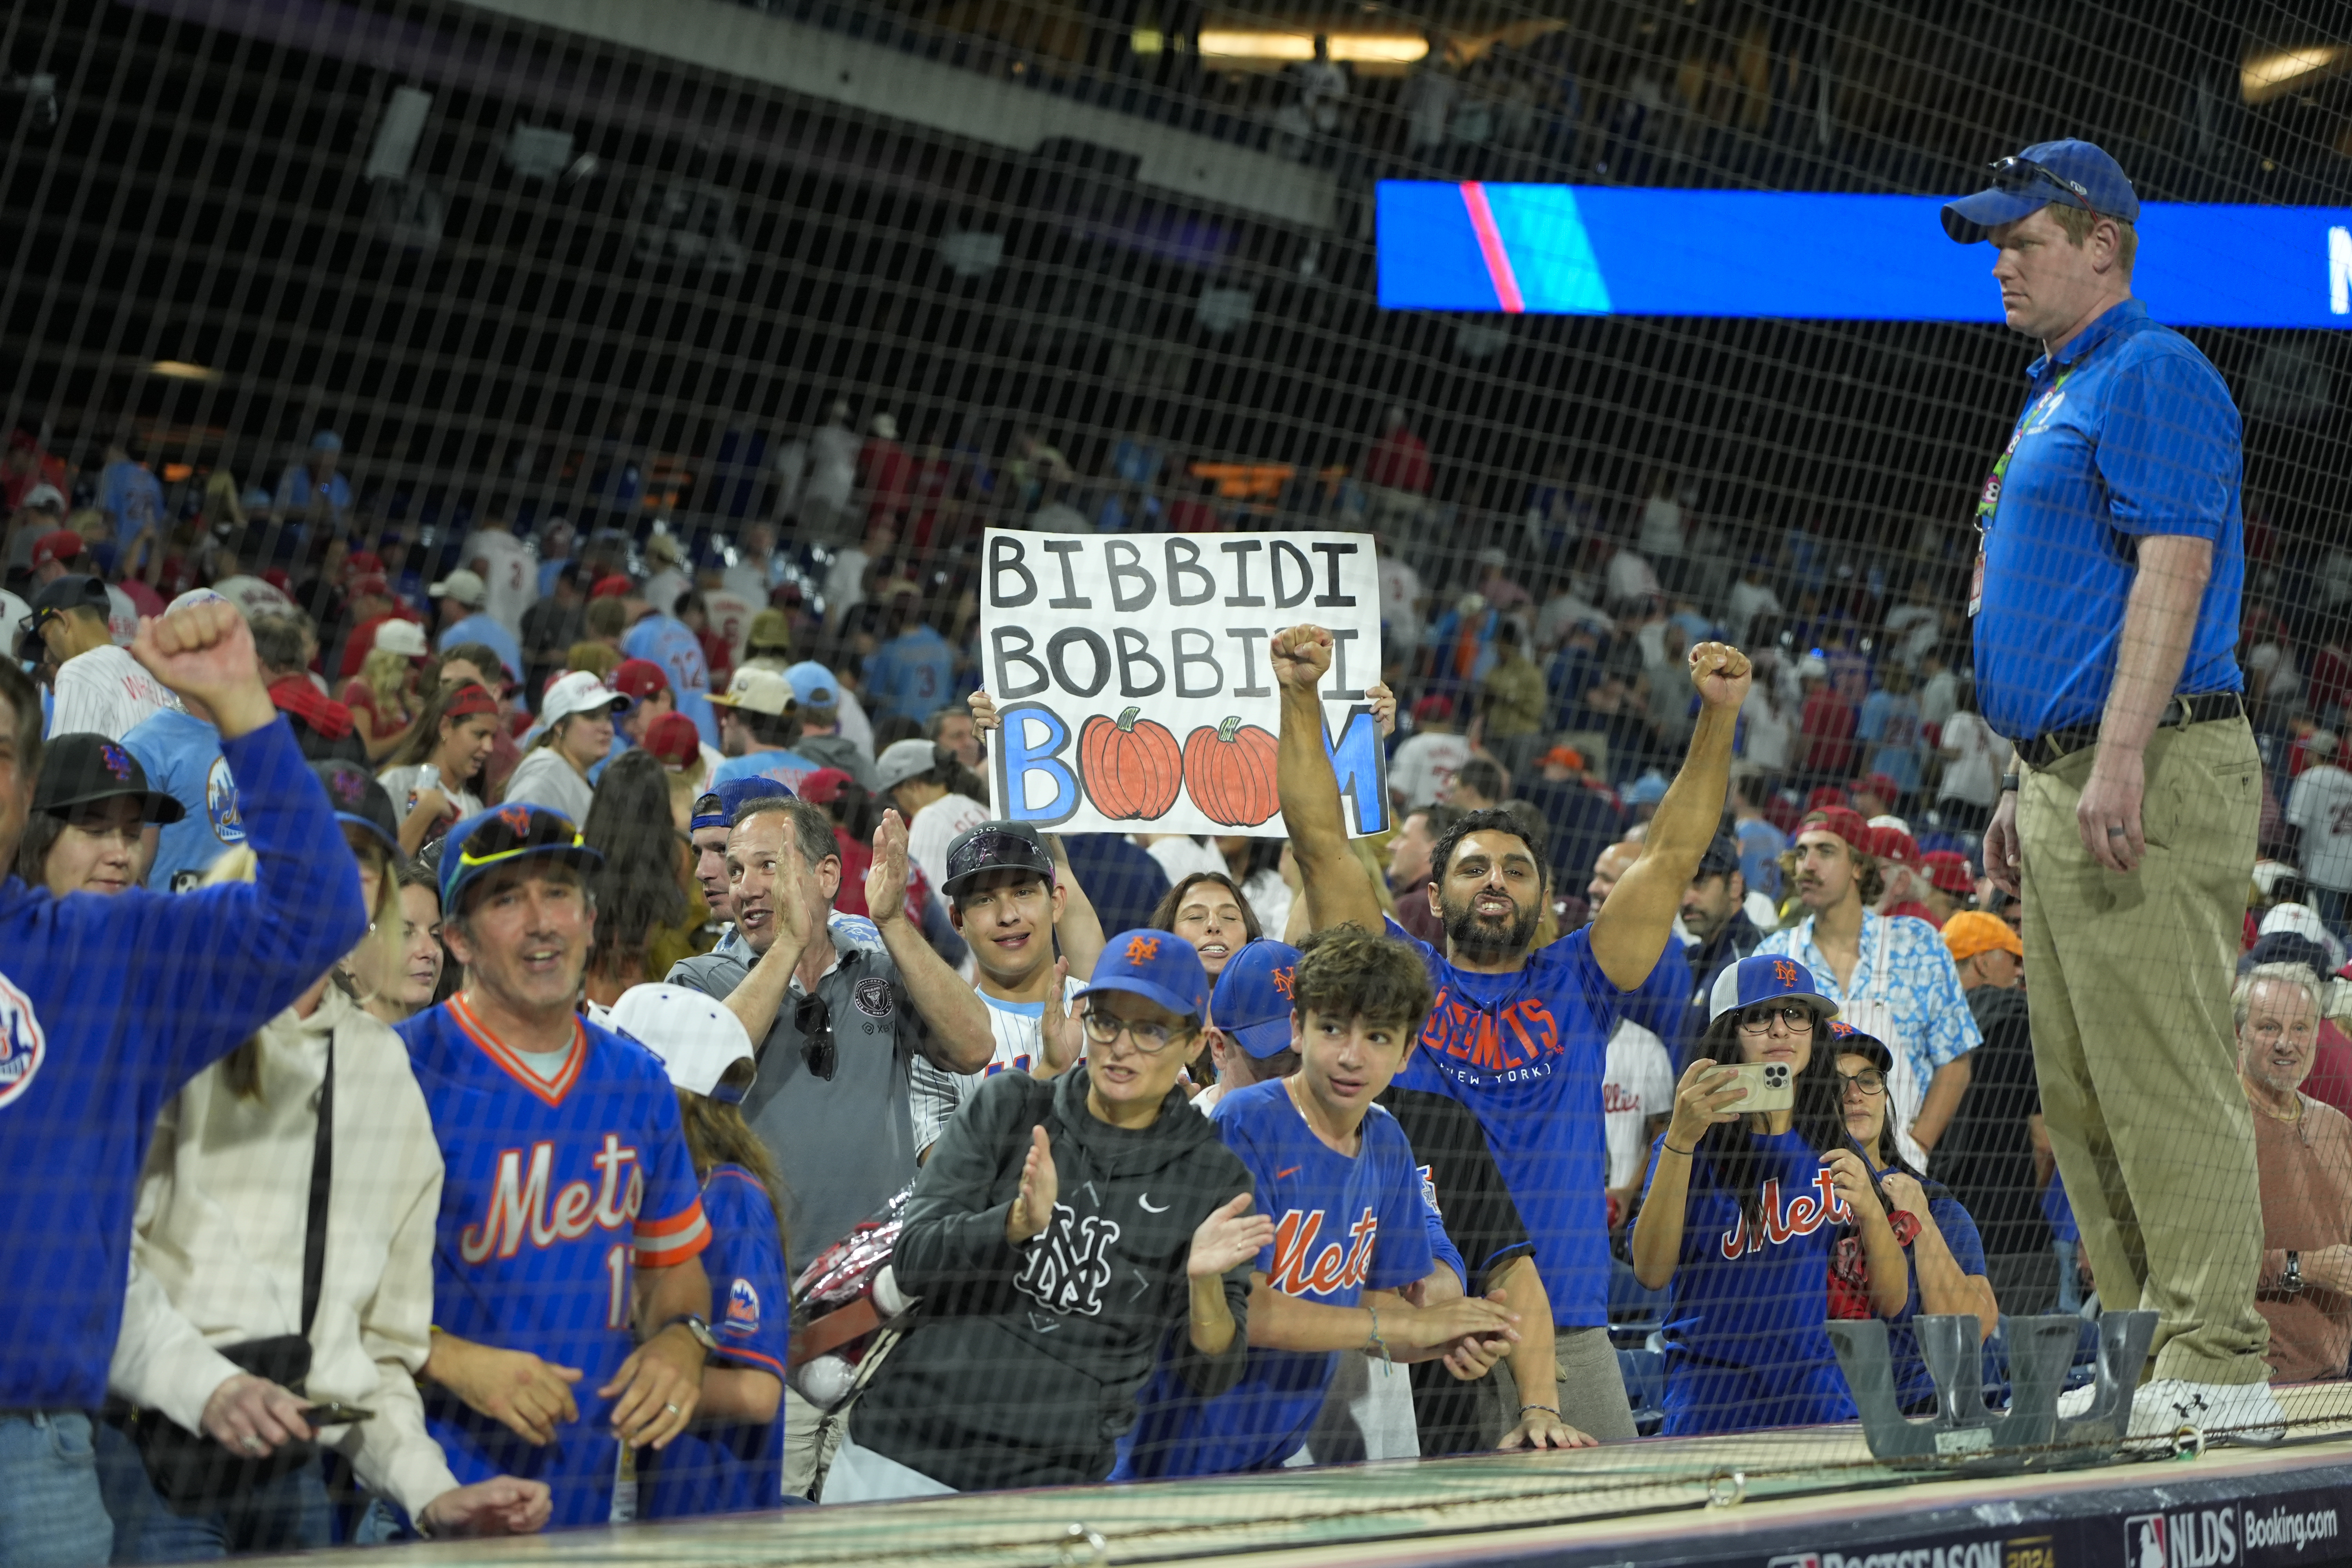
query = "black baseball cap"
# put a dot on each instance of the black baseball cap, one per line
(64, 593)
(82, 770)
(359, 801)
(996, 846)
(1722, 857)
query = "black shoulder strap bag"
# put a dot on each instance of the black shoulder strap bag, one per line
(197, 1476)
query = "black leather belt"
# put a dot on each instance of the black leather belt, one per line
(2044, 749)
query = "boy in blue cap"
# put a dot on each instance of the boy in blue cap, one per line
(1060, 1235)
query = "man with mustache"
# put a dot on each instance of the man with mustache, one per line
(1521, 1037)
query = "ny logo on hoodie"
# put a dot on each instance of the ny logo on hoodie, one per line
(1069, 1265)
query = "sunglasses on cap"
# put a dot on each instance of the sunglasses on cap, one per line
(2015, 173)
(502, 838)
(1000, 851)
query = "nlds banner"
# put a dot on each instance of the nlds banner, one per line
(1131, 675)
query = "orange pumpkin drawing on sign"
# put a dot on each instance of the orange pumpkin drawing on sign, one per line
(1229, 771)
(1131, 767)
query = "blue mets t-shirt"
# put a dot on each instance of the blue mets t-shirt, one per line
(1524, 1051)
(1342, 1224)
(1749, 1298)
(181, 754)
(555, 1191)
(712, 1469)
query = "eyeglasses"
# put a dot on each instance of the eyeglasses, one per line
(2014, 173)
(1151, 1039)
(1870, 1080)
(813, 1019)
(1758, 1019)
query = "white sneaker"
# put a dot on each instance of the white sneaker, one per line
(2245, 1412)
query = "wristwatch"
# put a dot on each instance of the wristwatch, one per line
(695, 1326)
(2292, 1280)
(2008, 783)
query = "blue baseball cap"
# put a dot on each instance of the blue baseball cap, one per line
(813, 685)
(1252, 1000)
(1844, 1037)
(1765, 978)
(2073, 173)
(1157, 966)
(717, 806)
(488, 839)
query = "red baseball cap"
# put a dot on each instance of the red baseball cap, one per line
(1846, 823)
(1894, 844)
(639, 679)
(1434, 705)
(1948, 871)
(673, 738)
(1882, 785)
(823, 786)
(616, 586)
(1828, 797)
(58, 545)
(364, 561)
(371, 584)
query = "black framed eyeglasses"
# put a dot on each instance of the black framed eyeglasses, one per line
(1759, 1018)
(2014, 172)
(1869, 1080)
(813, 1019)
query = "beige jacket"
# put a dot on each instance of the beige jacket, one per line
(216, 1256)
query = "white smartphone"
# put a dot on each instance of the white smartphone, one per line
(1770, 1086)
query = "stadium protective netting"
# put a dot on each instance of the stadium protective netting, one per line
(874, 278)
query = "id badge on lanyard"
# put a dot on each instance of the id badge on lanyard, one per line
(1989, 499)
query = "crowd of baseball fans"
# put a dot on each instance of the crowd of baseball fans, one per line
(472, 1001)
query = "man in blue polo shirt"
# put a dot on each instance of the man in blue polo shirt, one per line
(2106, 604)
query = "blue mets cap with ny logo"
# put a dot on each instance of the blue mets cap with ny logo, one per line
(1765, 978)
(1157, 966)
(504, 834)
(1252, 1001)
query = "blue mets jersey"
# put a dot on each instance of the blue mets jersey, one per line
(1342, 1226)
(1526, 1052)
(1750, 1299)
(708, 1468)
(556, 1191)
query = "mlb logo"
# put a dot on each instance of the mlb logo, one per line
(742, 1306)
(1797, 1560)
(2147, 1542)
(23, 1045)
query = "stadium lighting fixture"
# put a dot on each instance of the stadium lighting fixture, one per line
(2262, 78)
(182, 369)
(1279, 44)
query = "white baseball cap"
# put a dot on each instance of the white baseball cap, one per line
(405, 639)
(200, 597)
(578, 692)
(467, 587)
(693, 1036)
(43, 496)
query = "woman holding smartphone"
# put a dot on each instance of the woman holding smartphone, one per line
(1946, 1272)
(1743, 1209)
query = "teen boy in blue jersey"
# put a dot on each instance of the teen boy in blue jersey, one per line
(1742, 1213)
(108, 1007)
(568, 1295)
(1335, 1174)
(1521, 1035)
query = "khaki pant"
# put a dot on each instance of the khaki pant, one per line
(1592, 1388)
(811, 1436)
(2128, 982)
